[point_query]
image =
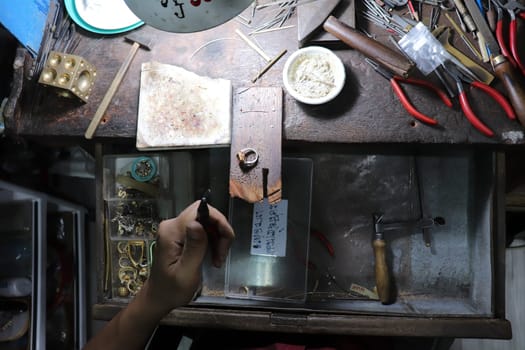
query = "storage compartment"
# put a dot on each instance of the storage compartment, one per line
(442, 220)
(139, 191)
(451, 277)
(130, 262)
(269, 258)
(42, 264)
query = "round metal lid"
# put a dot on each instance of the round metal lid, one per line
(186, 16)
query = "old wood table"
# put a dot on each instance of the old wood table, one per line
(366, 111)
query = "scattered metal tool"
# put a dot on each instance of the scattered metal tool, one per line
(137, 43)
(398, 90)
(269, 61)
(459, 78)
(394, 61)
(513, 82)
(514, 9)
(463, 37)
(465, 16)
(443, 35)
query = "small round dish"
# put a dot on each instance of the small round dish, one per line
(143, 169)
(314, 75)
(98, 28)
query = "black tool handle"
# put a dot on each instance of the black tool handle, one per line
(396, 62)
(513, 83)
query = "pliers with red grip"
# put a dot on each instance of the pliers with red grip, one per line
(514, 9)
(459, 78)
(398, 90)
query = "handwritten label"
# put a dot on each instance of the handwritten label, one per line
(269, 228)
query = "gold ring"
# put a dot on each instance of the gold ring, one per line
(123, 250)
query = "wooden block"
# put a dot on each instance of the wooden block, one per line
(257, 124)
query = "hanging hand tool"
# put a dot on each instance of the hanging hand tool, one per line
(137, 43)
(398, 90)
(459, 78)
(513, 82)
(383, 279)
(394, 61)
(381, 267)
(515, 9)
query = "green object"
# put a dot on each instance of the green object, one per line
(73, 13)
(143, 169)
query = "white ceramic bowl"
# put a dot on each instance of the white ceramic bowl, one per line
(314, 75)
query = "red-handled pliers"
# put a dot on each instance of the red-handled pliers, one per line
(515, 9)
(398, 90)
(459, 77)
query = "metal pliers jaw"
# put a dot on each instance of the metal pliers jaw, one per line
(398, 90)
(514, 9)
(461, 78)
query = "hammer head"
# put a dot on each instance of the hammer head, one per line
(144, 41)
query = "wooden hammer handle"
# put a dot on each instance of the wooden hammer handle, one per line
(513, 83)
(111, 92)
(381, 269)
(393, 60)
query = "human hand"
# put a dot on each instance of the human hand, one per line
(180, 249)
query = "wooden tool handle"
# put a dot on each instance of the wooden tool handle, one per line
(514, 86)
(373, 49)
(382, 275)
(111, 92)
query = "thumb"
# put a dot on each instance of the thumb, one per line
(194, 247)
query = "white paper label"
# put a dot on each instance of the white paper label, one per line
(269, 228)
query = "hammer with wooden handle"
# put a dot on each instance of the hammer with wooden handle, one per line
(137, 42)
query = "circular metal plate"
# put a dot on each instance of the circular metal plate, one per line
(186, 16)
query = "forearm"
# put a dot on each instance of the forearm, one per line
(132, 327)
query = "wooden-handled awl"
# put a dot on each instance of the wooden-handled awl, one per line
(381, 267)
(396, 62)
(383, 279)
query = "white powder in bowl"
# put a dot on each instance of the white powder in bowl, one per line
(312, 75)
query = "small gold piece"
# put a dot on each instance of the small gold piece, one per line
(122, 193)
(123, 261)
(123, 291)
(134, 287)
(71, 75)
(127, 274)
(143, 272)
(123, 247)
(136, 252)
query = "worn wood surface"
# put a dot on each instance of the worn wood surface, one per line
(257, 120)
(366, 111)
(322, 323)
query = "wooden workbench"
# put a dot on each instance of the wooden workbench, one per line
(366, 111)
